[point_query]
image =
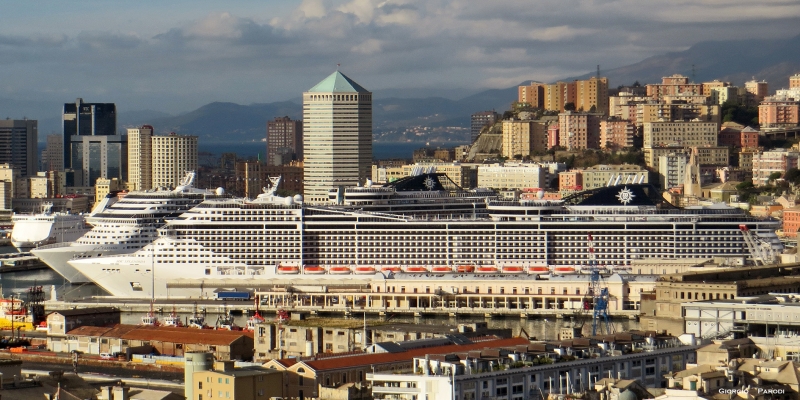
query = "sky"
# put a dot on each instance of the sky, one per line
(174, 56)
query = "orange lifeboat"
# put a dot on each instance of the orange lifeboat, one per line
(393, 269)
(564, 270)
(513, 269)
(341, 270)
(486, 269)
(441, 269)
(365, 270)
(466, 269)
(539, 270)
(416, 270)
(313, 270)
(288, 269)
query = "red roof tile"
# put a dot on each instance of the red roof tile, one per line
(163, 334)
(383, 358)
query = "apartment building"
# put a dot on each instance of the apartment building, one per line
(774, 161)
(579, 131)
(227, 382)
(602, 175)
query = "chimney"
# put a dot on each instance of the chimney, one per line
(224, 366)
(121, 393)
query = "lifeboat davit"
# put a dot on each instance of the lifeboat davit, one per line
(313, 270)
(365, 270)
(564, 270)
(513, 269)
(339, 270)
(539, 270)
(466, 269)
(393, 269)
(441, 269)
(288, 269)
(416, 270)
(486, 269)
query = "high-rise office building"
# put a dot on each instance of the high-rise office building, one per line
(284, 141)
(140, 158)
(94, 157)
(53, 154)
(18, 141)
(479, 120)
(86, 119)
(337, 136)
(173, 155)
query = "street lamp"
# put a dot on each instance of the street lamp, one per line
(545, 329)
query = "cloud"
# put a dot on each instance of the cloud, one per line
(258, 56)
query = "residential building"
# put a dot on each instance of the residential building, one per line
(85, 119)
(529, 371)
(794, 81)
(722, 95)
(570, 181)
(104, 186)
(709, 87)
(791, 221)
(774, 161)
(337, 136)
(558, 95)
(680, 133)
(531, 94)
(18, 141)
(672, 169)
(140, 158)
(227, 382)
(38, 186)
(305, 377)
(291, 175)
(53, 154)
(603, 175)
(523, 138)
(673, 85)
(96, 157)
(173, 155)
(513, 176)
(591, 95)
(7, 177)
(579, 131)
(757, 89)
(284, 141)
(616, 134)
(777, 112)
(479, 120)
(738, 136)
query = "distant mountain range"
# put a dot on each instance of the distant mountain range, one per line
(735, 61)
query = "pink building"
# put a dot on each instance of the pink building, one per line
(672, 86)
(746, 137)
(779, 113)
(552, 136)
(616, 134)
(578, 131)
(570, 180)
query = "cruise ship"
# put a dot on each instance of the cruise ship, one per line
(123, 224)
(236, 243)
(35, 230)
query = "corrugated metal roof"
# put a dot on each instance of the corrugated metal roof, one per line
(163, 334)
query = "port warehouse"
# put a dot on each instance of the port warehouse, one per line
(225, 345)
(465, 293)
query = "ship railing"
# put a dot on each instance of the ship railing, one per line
(54, 245)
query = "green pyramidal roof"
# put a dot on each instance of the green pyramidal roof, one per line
(337, 82)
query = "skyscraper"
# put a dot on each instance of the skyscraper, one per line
(18, 141)
(53, 154)
(93, 157)
(337, 136)
(140, 158)
(284, 141)
(86, 119)
(173, 155)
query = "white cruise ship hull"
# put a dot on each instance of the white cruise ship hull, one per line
(56, 256)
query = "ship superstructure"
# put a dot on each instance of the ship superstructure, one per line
(123, 224)
(237, 243)
(34, 230)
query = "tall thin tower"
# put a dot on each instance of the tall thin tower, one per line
(337, 136)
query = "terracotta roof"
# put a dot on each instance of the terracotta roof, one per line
(384, 358)
(163, 334)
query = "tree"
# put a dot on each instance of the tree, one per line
(593, 109)
(774, 176)
(732, 111)
(792, 176)
(569, 106)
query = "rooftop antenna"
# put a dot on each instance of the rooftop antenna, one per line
(693, 71)
(337, 66)
(598, 71)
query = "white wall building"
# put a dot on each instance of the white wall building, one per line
(672, 169)
(173, 155)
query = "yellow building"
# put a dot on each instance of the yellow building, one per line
(227, 382)
(602, 175)
(140, 158)
(684, 133)
(517, 137)
(105, 186)
(592, 95)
